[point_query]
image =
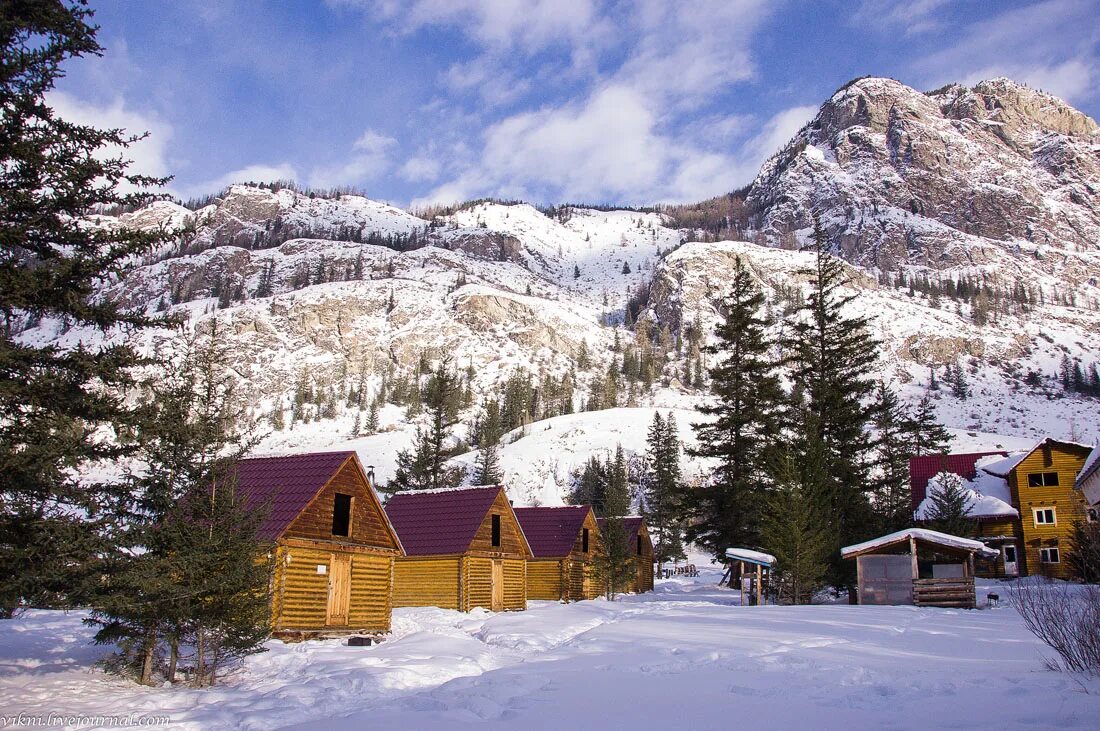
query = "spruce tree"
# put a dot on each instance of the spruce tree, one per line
(747, 394)
(487, 467)
(590, 485)
(833, 356)
(370, 425)
(615, 566)
(892, 501)
(947, 510)
(425, 467)
(662, 487)
(794, 532)
(55, 401)
(925, 433)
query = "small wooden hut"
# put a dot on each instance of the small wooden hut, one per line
(334, 547)
(464, 548)
(917, 566)
(565, 542)
(637, 534)
(761, 563)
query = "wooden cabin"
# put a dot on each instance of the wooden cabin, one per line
(565, 542)
(637, 534)
(464, 548)
(917, 566)
(334, 547)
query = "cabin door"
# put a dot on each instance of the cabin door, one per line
(339, 589)
(498, 585)
(1011, 567)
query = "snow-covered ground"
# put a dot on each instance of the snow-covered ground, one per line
(683, 657)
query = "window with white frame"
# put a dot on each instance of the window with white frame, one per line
(1045, 516)
(1049, 555)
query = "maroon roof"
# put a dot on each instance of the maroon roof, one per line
(289, 483)
(431, 522)
(631, 524)
(923, 469)
(552, 532)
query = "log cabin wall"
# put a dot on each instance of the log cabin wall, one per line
(512, 543)
(428, 581)
(300, 593)
(644, 561)
(368, 525)
(544, 579)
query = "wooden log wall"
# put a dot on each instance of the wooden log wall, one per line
(477, 577)
(544, 579)
(427, 581)
(944, 593)
(515, 584)
(302, 593)
(371, 592)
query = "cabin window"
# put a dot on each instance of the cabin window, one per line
(341, 515)
(496, 530)
(1042, 479)
(1049, 555)
(584, 540)
(639, 549)
(1045, 516)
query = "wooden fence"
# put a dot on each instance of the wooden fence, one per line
(944, 592)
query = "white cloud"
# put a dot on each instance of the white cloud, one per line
(420, 169)
(1051, 44)
(777, 132)
(149, 155)
(913, 17)
(258, 173)
(370, 158)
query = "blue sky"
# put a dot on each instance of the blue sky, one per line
(416, 101)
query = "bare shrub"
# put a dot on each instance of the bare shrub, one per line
(1064, 616)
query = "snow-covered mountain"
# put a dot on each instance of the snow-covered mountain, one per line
(997, 185)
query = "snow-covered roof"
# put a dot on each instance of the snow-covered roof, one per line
(920, 534)
(1088, 481)
(987, 495)
(750, 556)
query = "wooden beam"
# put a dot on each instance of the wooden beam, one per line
(859, 581)
(759, 585)
(913, 551)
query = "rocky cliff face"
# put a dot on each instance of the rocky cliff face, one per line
(997, 175)
(998, 184)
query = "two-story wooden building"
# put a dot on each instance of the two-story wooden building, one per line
(334, 547)
(1024, 504)
(464, 548)
(565, 542)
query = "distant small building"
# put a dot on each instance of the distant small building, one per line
(917, 566)
(1024, 504)
(637, 535)
(334, 548)
(464, 548)
(565, 542)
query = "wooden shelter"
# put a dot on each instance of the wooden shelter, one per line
(464, 549)
(917, 566)
(763, 563)
(565, 542)
(334, 547)
(637, 534)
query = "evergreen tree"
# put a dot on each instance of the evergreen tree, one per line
(926, 435)
(1084, 550)
(662, 487)
(54, 400)
(590, 486)
(187, 565)
(487, 466)
(833, 357)
(615, 566)
(793, 531)
(959, 387)
(947, 510)
(425, 467)
(370, 426)
(726, 512)
(892, 502)
(576, 272)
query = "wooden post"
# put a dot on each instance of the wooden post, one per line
(970, 566)
(859, 579)
(759, 585)
(913, 550)
(741, 580)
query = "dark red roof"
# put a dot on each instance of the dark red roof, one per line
(288, 483)
(438, 522)
(552, 532)
(631, 524)
(923, 469)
